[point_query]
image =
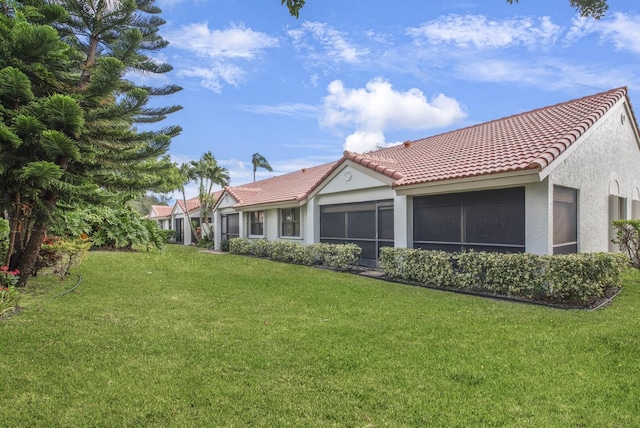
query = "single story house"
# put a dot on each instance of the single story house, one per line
(174, 218)
(162, 215)
(547, 181)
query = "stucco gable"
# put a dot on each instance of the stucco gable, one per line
(350, 176)
(226, 201)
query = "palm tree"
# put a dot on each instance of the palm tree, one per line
(209, 173)
(259, 161)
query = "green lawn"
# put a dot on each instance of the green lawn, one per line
(187, 338)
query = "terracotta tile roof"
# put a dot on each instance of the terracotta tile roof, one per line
(160, 211)
(292, 187)
(192, 204)
(526, 141)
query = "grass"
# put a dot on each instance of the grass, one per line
(186, 338)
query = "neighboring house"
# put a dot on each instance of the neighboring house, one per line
(547, 181)
(184, 233)
(162, 215)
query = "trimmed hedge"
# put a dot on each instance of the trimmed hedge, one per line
(335, 256)
(573, 279)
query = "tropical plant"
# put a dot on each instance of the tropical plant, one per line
(259, 161)
(208, 173)
(68, 115)
(109, 228)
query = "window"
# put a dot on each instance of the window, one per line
(256, 220)
(490, 220)
(565, 220)
(617, 211)
(290, 222)
(635, 209)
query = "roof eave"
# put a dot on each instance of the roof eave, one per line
(506, 179)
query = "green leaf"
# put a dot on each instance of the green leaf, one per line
(64, 114)
(8, 137)
(15, 88)
(41, 173)
(55, 143)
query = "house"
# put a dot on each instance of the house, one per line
(162, 215)
(184, 233)
(547, 181)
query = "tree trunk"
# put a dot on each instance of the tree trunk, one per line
(29, 256)
(91, 59)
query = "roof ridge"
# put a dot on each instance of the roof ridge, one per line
(248, 189)
(369, 161)
(528, 112)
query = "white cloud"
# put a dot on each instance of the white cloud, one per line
(224, 53)
(218, 73)
(550, 74)
(623, 30)
(362, 141)
(292, 109)
(377, 107)
(333, 43)
(477, 31)
(234, 42)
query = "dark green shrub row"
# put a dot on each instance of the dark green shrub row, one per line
(335, 256)
(573, 279)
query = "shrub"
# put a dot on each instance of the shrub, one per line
(111, 228)
(4, 239)
(427, 267)
(628, 239)
(62, 254)
(8, 278)
(576, 279)
(335, 256)
(581, 278)
(339, 256)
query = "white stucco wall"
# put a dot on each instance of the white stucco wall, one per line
(607, 154)
(537, 218)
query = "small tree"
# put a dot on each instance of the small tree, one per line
(628, 239)
(208, 173)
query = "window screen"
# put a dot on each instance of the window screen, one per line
(367, 224)
(230, 226)
(491, 220)
(565, 220)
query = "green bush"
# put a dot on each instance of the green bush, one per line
(61, 254)
(111, 228)
(628, 239)
(335, 256)
(428, 267)
(4, 239)
(575, 279)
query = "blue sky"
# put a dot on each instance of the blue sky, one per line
(359, 75)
